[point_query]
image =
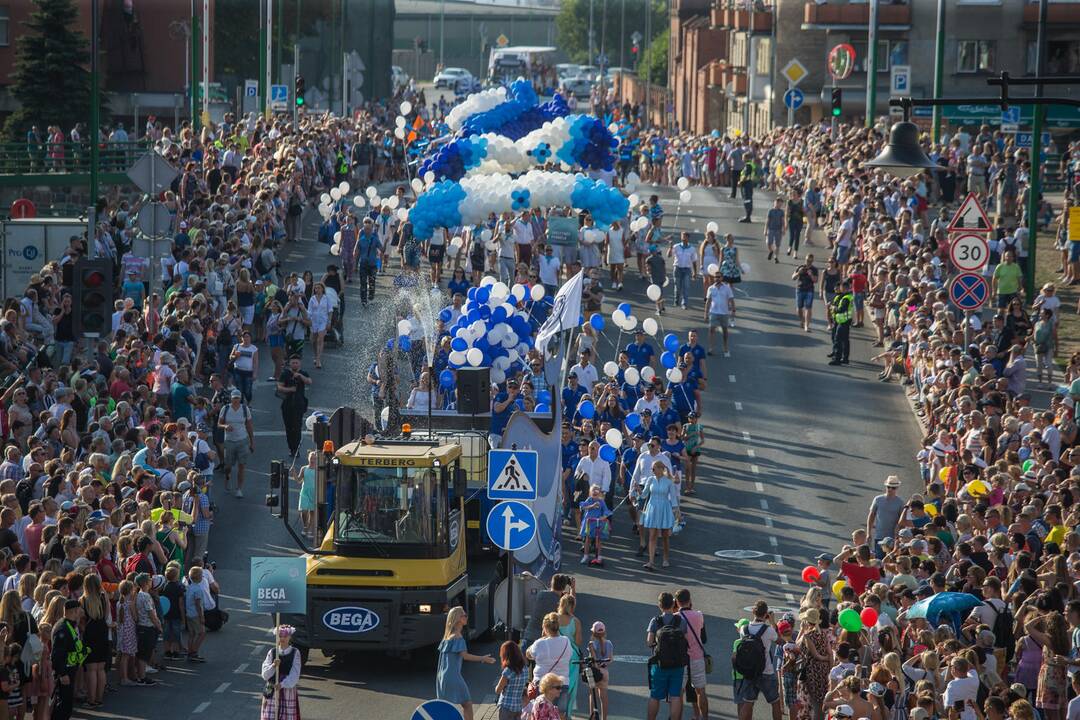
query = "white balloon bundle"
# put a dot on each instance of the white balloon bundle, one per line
(475, 103)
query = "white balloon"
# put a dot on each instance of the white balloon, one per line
(399, 121)
(634, 199)
(337, 238)
(712, 227)
(648, 374)
(499, 292)
(485, 235)
(399, 133)
(417, 185)
(359, 201)
(650, 326)
(512, 355)
(618, 317)
(674, 375)
(429, 177)
(684, 196)
(630, 324)
(403, 214)
(324, 199)
(344, 187)
(452, 251)
(713, 268)
(518, 291)
(632, 180)
(611, 368)
(371, 191)
(683, 183)
(497, 375)
(475, 356)
(653, 292)
(335, 194)
(456, 241)
(537, 292)
(404, 327)
(335, 250)
(393, 201)
(614, 438)
(632, 376)
(745, 267)
(376, 202)
(477, 329)
(496, 334)
(487, 280)
(405, 107)
(457, 357)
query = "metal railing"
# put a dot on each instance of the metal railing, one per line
(24, 158)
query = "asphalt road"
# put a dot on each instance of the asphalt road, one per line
(795, 451)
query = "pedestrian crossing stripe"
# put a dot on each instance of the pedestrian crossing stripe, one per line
(512, 475)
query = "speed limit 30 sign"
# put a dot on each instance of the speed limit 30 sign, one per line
(968, 251)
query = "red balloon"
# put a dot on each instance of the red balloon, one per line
(869, 617)
(789, 170)
(810, 574)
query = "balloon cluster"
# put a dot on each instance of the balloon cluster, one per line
(493, 331)
(517, 116)
(575, 141)
(451, 204)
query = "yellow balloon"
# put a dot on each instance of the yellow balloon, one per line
(943, 474)
(837, 587)
(977, 487)
(929, 509)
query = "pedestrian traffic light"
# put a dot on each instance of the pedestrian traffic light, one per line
(299, 80)
(634, 49)
(92, 305)
(837, 101)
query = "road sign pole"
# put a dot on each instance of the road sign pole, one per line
(871, 71)
(967, 328)
(939, 68)
(193, 88)
(95, 107)
(206, 63)
(296, 71)
(790, 109)
(510, 595)
(1035, 189)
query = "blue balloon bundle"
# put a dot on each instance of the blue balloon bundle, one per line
(590, 146)
(492, 331)
(518, 116)
(605, 203)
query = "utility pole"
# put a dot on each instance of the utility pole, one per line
(644, 55)
(344, 84)
(267, 59)
(442, 32)
(872, 61)
(939, 68)
(280, 44)
(296, 71)
(206, 62)
(95, 109)
(196, 72)
(592, 58)
(264, 87)
(1035, 183)
(622, 35)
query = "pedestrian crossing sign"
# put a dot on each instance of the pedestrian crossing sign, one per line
(512, 474)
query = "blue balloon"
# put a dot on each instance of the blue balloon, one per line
(543, 396)
(471, 293)
(668, 360)
(607, 453)
(445, 315)
(671, 342)
(542, 408)
(459, 344)
(633, 421)
(483, 294)
(597, 321)
(165, 604)
(405, 343)
(473, 316)
(519, 403)
(587, 409)
(498, 315)
(625, 307)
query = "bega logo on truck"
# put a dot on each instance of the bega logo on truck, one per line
(351, 620)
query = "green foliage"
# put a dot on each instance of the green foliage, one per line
(572, 27)
(51, 77)
(655, 60)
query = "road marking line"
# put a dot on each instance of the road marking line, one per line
(731, 378)
(764, 504)
(201, 707)
(772, 540)
(755, 469)
(790, 597)
(750, 452)
(225, 686)
(727, 354)
(269, 433)
(738, 405)
(759, 487)
(256, 651)
(783, 579)
(778, 559)
(746, 436)
(242, 667)
(768, 522)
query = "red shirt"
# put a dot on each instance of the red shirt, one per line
(858, 282)
(859, 576)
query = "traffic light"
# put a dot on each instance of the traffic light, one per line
(92, 305)
(837, 101)
(299, 80)
(634, 49)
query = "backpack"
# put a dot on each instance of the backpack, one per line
(202, 460)
(1003, 629)
(748, 659)
(24, 493)
(671, 647)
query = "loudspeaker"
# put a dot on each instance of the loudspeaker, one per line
(474, 390)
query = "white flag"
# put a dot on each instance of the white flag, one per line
(564, 315)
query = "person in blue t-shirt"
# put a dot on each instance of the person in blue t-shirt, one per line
(694, 348)
(502, 407)
(572, 394)
(640, 352)
(668, 415)
(684, 395)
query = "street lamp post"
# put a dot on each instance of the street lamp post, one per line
(939, 67)
(1035, 180)
(872, 62)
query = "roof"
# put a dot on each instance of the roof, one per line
(455, 8)
(404, 454)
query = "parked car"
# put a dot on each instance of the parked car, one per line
(455, 78)
(579, 87)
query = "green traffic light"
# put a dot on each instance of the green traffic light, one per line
(299, 101)
(836, 112)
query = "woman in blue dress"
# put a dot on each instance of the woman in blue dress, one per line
(306, 476)
(660, 495)
(449, 684)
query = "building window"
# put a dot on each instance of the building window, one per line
(1062, 57)
(5, 13)
(975, 56)
(884, 57)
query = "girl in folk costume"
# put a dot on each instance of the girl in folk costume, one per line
(281, 669)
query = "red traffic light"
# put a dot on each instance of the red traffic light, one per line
(93, 279)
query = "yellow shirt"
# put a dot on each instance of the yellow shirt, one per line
(1056, 535)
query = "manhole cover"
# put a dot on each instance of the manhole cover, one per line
(633, 659)
(738, 554)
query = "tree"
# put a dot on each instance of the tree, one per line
(51, 78)
(654, 60)
(572, 27)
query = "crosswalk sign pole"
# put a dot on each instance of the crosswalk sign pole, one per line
(510, 595)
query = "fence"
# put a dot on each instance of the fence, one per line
(69, 157)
